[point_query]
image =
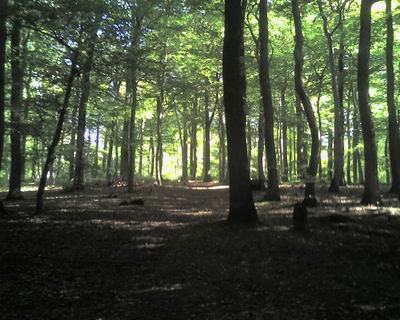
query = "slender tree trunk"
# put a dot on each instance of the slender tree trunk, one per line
(159, 148)
(284, 115)
(56, 137)
(241, 205)
(260, 147)
(193, 141)
(3, 40)
(371, 193)
(248, 142)
(152, 157)
(14, 192)
(266, 94)
(387, 161)
(348, 171)
(133, 59)
(125, 151)
(109, 168)
(141, 141)
(393, 126)
(338, 121)
(80, 139)
(207, 137)
(298, 54)
(96, 156)
(72, 147)
(300, 152)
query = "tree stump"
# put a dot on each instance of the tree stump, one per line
(300, 221)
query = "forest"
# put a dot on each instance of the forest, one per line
(199, 159)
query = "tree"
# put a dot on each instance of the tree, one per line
(266, 94)
(393, 127)
(57, 134)
(371, 193)
(3, 39)
(14, 192)
(305, 101)
(241, 205)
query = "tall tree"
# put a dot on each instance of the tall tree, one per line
(338, 139)
(16, 111)
(393, 126)
(207, 139)
(305, 101)
(3, 39)
(57, 134)
(266, 94)
(78, 183)
(371, 193)
(241, 204)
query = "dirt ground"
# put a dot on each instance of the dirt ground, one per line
(88, 257)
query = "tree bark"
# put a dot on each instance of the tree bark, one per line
(207, 136)
(393, 126)
(338, 121)
(241, 205)
(193, 141)
(298, 54)
(273, 193)
(371, 193)
(14, 192)
(57, 135)
(3, 40)
(284, 115)
(78, 183)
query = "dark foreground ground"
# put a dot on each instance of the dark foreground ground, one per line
(87, 257)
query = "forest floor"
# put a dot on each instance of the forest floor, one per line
(88, 257)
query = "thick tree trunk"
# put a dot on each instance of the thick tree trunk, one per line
(241, 205)
(371, 193)
(393, 126)
(298, 54)
(266, 94)
(207, 137)
(57, 135)
(80, 139)
(16, 110)
(3, 40)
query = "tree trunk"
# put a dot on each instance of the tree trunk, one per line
(152, 157)
(393, 126)
(222, 146)
(284, 115)
(273, 193)
(159, 147)
(298, 54)
(248, 142)
(57, 135)
(207, 132)
(371, 193)
(80, 139)
(193, 141)
(141, 141)
(14, 192)
(3, 40)
(241, 205)
(260, 147)
(125, 151)
(96, 155)
(338, 121)
(300, 152)
(109, 168)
